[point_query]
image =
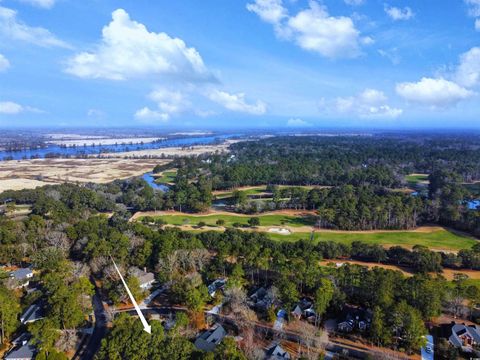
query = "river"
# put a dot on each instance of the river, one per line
(99, 149)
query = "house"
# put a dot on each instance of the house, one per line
(262, 299)
(32, 314)
(297, 312)
(346, 326)
(209, 340)
(304, 309)
(465, 337)
(215, 286)
(355, 319)
(276, 352)
(21, 277)
(22, 350)
(145, 279)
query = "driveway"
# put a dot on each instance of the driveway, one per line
(425, 354)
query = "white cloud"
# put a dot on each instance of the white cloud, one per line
(15, 29)
(46, 4)
(473, 7)
(313, 29)
(399, 14)
(370, 103)
(295, 122)
(436, 93)
(271, 11)
(168, 103)
(12, 108)
(4, 63)
(9, 107)
(468, 71)
(391, 54)
(148, 115)
(236, 102)
(129, 50)
(372, 97)
(354, 2)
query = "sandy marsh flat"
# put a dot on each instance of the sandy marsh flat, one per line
(171, 152)
(29, 174)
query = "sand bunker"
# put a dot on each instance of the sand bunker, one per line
(280, 231)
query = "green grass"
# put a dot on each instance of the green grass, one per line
(441, 239)
(254, 191)
(265, 220)
(473, 282)
(415, 179)
(166, 177)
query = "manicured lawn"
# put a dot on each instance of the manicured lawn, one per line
(253, 191)
(166, 177)
(441, 239)
(265, 220)
(416, 178)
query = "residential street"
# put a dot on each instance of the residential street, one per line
(88, 350)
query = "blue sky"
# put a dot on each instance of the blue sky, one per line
(240, 63)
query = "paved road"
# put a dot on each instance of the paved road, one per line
(88, 350)
(100, 330)
(332, 347)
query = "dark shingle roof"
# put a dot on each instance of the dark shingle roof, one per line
(23, 352)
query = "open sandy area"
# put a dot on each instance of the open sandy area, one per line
(449, 274)
(29, 174)
(171, 152)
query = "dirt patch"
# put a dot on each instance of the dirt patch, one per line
(449, 274)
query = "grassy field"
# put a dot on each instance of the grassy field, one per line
(254, 190)
(416, 178)
(434, 238)
(166, 177)
(265, 220)
(440, 239)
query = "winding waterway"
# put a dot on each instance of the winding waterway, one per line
(61, 151)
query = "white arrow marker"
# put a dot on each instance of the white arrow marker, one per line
(146, 327)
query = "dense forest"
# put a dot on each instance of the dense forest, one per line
(73, 230)
(355, 160)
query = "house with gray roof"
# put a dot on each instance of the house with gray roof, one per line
(32, 314)
(23, 351)
(21, 277)
(465, 337)
(209, 339)
(146, 279)
(218, 284)
(276, 352)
